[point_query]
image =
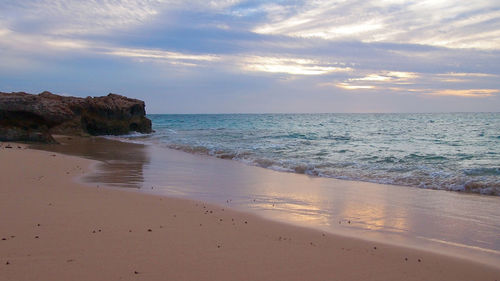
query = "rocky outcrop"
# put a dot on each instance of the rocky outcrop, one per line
(26, 117)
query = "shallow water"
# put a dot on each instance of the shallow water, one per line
(453, 151)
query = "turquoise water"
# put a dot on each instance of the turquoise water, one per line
(453, 151)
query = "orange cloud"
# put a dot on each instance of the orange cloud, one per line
(475, 93)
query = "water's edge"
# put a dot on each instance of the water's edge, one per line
(406, 216)
(454, 152)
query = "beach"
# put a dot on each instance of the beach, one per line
(54, 227)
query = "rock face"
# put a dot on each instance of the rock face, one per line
(26, 117)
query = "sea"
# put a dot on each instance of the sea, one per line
(445, 151)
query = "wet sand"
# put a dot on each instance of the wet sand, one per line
(53, 228)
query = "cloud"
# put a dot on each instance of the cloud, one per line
(470, 93)
(60, 17)
(167, 56)
(294, 66)
(445, 23)
(349, 86)
(420, 84)
(72, 17)
(388, 76)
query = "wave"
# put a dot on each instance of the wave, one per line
(483, 171)
(398, 175)
(401, 149)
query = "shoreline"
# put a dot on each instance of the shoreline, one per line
(248, 163)
(69, 212)
(405, 216)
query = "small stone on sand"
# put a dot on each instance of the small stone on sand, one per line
(149, 230)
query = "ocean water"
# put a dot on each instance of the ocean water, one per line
(452, 151)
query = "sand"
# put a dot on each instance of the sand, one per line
(55, 228)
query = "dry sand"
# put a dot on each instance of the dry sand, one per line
(53, 228)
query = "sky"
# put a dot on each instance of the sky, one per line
(232, 56)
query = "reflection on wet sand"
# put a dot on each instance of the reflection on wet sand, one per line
(122, 164)
(375, 214)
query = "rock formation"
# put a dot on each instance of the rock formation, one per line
(26, 117)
